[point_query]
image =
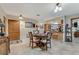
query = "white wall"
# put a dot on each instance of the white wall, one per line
(24, 31)
(2, 13)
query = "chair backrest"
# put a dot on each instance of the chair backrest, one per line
(31, 35)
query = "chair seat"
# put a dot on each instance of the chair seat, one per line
(43, 41)
(35, 41)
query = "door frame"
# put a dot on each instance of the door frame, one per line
(72, 24)
(19, 27)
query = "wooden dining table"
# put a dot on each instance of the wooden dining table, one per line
(40, 37)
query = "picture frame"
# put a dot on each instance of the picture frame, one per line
(28, 24)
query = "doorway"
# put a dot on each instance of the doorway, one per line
(14, 29)
(56, 27)
(75, 29)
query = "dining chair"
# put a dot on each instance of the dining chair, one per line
(46, 41)
(32, 41)
(49, 38)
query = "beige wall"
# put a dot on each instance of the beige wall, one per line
(54, 20)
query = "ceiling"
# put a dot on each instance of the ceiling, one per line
(45, 10)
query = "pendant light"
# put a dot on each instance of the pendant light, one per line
(20, 17)
(58, 7)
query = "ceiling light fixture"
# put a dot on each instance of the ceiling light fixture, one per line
(20, 17)
(58, 7)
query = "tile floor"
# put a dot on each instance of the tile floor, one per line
(58, 48)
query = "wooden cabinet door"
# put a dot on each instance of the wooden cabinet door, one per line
(14, 29)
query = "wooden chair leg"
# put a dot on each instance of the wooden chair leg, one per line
(46, 47)
(32, 45)
(50, 44)
(29, 44)
(9, 47)
(8, 44)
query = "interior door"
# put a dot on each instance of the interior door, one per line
(14, 29)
